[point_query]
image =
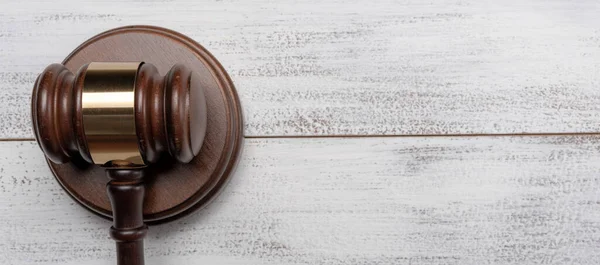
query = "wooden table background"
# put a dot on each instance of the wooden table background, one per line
(378, 132)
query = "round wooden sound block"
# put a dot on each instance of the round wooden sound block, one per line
(172, 189)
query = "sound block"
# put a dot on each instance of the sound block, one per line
(172, 189)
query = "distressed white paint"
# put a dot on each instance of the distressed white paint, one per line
(344, 67)
(471, 200)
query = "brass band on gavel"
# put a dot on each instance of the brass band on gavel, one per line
(108, 112)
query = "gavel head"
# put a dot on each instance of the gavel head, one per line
(110, 113)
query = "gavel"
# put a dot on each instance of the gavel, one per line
(125, 117)
(104, 114)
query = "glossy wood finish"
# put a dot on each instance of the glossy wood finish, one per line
(126, 193)
(172, 189)
(166, 114)
(170, 113)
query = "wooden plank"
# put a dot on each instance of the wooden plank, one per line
(470, 200)
(350, 67)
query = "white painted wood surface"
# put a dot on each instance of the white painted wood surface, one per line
(350, 67)
(346, 68)
(470, 200)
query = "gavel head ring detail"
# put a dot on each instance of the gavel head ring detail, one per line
(151, 109)
(118, 112)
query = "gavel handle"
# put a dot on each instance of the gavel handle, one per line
(126, 193)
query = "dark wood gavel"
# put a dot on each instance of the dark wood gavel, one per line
(105, 111)
(151, 109)
(121, 116)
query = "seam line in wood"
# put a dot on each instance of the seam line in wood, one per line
(388, 136)
(426, 135)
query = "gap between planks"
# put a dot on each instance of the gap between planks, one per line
(427, 135)
(392, 135)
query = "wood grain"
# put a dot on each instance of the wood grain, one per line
(196, 182)
(467, 200)
(350, 67)
(345, 68)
